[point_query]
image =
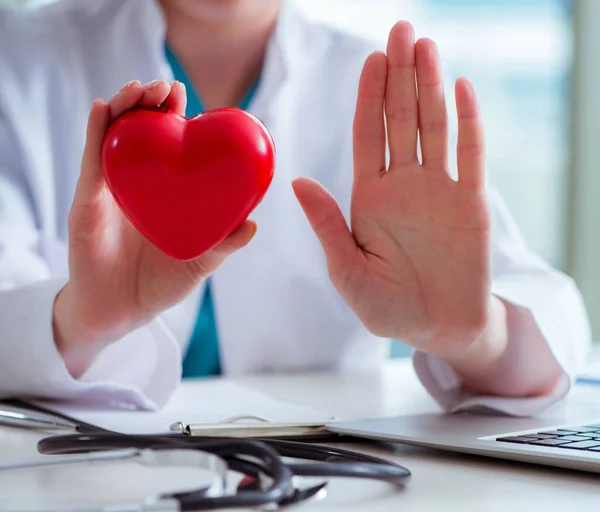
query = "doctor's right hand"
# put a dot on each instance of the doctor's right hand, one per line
(118, 280)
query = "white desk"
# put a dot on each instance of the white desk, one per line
(441, 481)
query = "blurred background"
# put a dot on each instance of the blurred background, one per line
(534, 64)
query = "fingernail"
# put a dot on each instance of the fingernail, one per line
(181, 84)
(98, 104)
(130, 84)
(153, 85)
(254, 230)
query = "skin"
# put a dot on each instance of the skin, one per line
(220, 44)
(414, 263)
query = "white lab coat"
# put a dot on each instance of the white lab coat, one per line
(276, 307)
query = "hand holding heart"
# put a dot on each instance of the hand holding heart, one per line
(118, 279)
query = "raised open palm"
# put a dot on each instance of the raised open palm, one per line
(415, 263)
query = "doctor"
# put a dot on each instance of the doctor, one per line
(345, 251)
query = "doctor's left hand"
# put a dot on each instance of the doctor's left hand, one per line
(415, 265)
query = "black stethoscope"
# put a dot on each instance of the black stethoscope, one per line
(266, 478)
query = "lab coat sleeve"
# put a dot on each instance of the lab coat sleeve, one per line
(140, 370)
(545, 306)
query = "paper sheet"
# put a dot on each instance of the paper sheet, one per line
(591, 371)
(194, 402)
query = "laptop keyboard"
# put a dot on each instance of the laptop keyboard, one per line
(586, 437)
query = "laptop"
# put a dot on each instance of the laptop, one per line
(568, 437)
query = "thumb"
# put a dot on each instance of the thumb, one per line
(177, 98)
(85, 216)
(238, 239)
(328, 223)
(91, 179)
(204, 265)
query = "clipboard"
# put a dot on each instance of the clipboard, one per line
(249, 426)
(16, 413)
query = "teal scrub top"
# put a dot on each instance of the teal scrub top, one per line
(202, 358)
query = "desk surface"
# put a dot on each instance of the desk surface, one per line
(441, 481)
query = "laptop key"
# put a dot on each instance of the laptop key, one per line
(560, 432)
(539, 436)
(515, 439)
(588, 435)
(574, 438)
(581, 445)
(550, 442)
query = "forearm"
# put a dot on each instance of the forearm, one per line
(500, 363)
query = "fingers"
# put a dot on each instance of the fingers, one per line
(401, 96)
(471, 143)
(206, 264)
(91, 179)
(369, 127)
(177, 99)
(238, 239)
(127, 98)
(433, 117)
(153, 94)
(328, 223)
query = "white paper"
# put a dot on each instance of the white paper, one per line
(591, 370)
(194, 402)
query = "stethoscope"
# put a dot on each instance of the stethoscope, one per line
(266, 478)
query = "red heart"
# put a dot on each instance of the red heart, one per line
(186, 184)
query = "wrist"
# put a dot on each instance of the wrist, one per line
(77, 340)
(72, 344)
(481, 359)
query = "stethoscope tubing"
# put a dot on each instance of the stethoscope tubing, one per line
(338, 461)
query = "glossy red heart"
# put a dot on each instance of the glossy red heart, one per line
(186, 184)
